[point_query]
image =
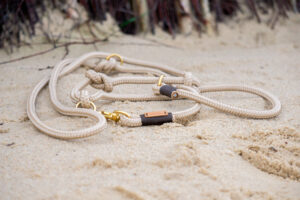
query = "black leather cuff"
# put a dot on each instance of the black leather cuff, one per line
(146, 121)
(168, 91)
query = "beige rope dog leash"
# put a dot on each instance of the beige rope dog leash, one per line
(163, 79)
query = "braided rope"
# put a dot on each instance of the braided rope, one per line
(188, 87)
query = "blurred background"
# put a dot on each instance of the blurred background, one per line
(27, 22)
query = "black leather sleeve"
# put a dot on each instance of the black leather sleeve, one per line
(146, 121)
(167, 90)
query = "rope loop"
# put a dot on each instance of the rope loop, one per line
(187, 87)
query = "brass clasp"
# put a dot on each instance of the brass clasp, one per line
(115, 116)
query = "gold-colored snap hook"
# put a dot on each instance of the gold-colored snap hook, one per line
(115, 55)
(92, 105)
(114, 116)
(122, 113)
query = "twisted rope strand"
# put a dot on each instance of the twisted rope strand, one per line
(187, 87)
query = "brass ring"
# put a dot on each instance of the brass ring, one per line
(91, 103)
(160, 80)
(115, 55)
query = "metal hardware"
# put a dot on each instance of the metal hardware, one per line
(115, 55)
(159, 83)
(115, 116)
(92, 105)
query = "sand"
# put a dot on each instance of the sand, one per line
(212, 156)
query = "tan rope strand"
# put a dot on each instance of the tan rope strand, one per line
(188, 87)
(276, 106)
(62, 134)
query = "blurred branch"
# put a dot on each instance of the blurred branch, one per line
(65, 45)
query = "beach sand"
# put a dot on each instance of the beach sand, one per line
(212, 156)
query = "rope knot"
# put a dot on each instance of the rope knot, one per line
(100, 79)
(188, 79)
(106, 66)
